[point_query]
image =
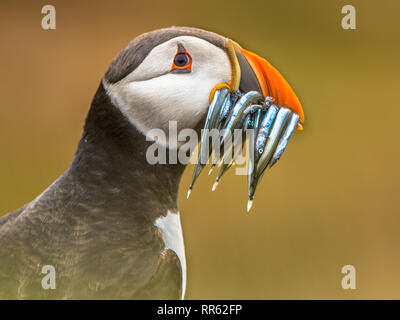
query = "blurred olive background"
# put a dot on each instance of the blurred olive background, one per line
(332, 200)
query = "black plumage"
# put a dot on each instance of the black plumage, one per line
(95, 224)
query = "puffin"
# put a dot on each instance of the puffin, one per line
(109, 226)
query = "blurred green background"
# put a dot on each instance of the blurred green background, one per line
(332, 200)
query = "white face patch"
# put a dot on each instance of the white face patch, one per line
(151, 95)
(171, 231)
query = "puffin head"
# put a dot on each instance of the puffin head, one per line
(171, 75)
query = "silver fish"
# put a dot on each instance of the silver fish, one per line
(270, 146)
(271, 129)
(285, 139)
(251, 172)
(205, 149)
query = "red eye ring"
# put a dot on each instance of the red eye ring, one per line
(182, 62)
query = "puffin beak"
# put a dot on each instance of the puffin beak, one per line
(252, 72)
(245, 103)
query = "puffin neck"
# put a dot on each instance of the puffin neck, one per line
(112, 156)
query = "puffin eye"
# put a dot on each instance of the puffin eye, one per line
(182, 61)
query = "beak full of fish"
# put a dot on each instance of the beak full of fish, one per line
(267, 127)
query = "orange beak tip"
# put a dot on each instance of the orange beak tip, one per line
(273, 84)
